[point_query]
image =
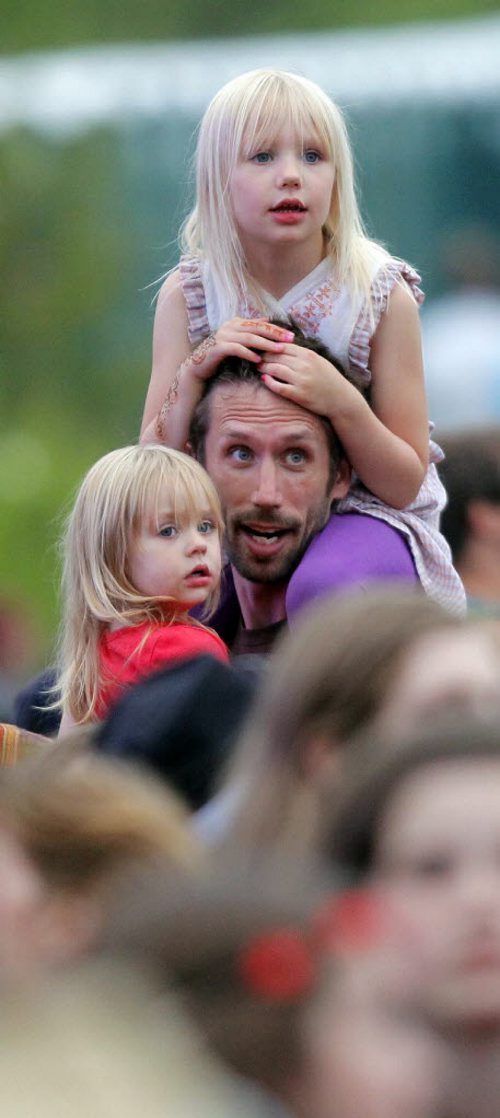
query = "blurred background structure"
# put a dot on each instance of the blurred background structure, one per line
(96, 138)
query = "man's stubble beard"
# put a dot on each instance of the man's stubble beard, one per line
(279, 569)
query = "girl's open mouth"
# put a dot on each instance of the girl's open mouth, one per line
(292, 206)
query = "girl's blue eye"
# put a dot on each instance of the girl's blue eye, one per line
(206, 526)
(262, 157)
(311, 156)
(169, 530)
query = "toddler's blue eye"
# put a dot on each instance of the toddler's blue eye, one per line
(206, 526)
(169, 530)
(311, 156)
(262, 157)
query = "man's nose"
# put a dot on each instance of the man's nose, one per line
(267, 492)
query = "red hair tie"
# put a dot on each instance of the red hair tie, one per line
(282, 964)
(278, 965)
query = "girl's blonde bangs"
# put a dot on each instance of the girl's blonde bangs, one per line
(189, 494)
(279, 104)
(146, 482)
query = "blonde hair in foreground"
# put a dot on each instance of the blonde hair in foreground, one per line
(244, 114)
(118, 494)
(83, 818)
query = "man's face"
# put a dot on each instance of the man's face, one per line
(269, 460)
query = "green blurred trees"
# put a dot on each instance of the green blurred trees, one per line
(48, 24)
(75, 325)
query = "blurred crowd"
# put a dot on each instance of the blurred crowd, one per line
(299, 917)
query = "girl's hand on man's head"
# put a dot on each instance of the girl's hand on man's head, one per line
(245, 338)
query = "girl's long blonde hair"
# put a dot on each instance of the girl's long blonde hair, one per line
(246, 112)
(118, 493)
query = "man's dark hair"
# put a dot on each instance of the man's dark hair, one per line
(470, 472)
(237, 370)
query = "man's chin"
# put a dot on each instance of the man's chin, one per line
(275, 569)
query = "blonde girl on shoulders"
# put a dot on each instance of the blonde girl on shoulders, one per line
(276, 233)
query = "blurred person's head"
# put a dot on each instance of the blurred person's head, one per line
(448, 668)
(470, 256)
(71, 823)
(181, 722)
(420, 818)
(471, 519)
(306, 990)
(326, 681)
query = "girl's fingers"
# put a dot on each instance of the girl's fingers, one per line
(267, 329)
(237, 349)
(253, 341)
(278, 371)
(277, 385)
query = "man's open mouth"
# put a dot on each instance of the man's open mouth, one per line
(264, 535)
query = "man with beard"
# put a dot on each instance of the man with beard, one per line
(278, 468)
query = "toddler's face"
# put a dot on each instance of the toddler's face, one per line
(438, 854)
(176, 556)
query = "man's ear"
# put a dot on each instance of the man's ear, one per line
(342, 482)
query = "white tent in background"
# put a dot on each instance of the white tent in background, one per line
(74, 89)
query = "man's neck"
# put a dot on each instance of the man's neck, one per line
(261, 603)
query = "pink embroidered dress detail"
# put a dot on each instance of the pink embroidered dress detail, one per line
(325, 309)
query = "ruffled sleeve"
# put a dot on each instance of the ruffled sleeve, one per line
(195, 299)
(391, 272)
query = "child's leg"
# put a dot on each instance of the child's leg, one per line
(351, 550)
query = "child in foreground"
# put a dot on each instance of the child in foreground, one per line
(276, 233)
(141, 548)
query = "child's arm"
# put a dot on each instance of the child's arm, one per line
(170, 348)
(387, 442)
(178, 372)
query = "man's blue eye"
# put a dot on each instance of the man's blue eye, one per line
(241, 454)
(169, 530)
(206, 526)
(295, 457)
(311, 156)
